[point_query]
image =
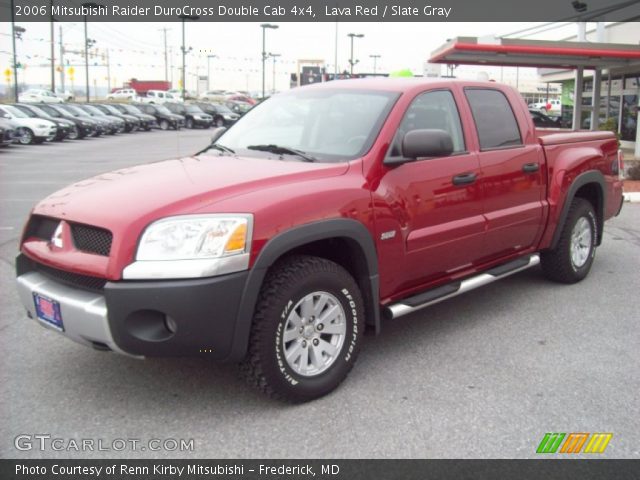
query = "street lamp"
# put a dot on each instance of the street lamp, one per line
(16, 32)
(209, 57)
(352, 62)
(88, 43)
(273, 85)
(184, 51)
(264, 27)
(375, 62)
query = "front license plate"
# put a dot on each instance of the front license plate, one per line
(48, 310)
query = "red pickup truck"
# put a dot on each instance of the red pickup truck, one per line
(322, 211)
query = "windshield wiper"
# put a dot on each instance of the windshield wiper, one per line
(280, 150)
(217, 146)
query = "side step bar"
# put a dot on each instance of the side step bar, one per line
(450, 290)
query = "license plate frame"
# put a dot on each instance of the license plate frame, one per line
(48, 311)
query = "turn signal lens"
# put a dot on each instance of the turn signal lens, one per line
(237, 240)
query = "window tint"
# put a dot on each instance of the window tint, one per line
(495, 121)
(431, 110)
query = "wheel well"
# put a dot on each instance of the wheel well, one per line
(347, 253)
(592, 192)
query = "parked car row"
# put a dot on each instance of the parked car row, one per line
(33, 123)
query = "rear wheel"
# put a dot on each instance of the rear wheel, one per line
(572, 258)
(73, 133)
(307, 329)
(164, 125)
(189, 123)
(219, 122)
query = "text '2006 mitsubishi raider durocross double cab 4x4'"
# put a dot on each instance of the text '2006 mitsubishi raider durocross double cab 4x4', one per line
(320, 212)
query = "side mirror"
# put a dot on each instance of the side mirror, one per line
(427, 143)
(217, 133)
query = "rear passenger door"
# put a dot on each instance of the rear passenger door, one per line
(512, 174)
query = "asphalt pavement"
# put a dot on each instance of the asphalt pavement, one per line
(484, 375)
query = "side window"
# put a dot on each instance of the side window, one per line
(495, 122)
(431, 110)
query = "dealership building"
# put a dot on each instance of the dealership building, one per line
(599, 75)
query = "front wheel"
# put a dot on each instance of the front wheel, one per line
(307, 329)
(25, 136)
(189, 123)
(73, 133)
(219, 122)
(164, 125)
(572, 258)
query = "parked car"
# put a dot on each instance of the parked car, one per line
(123, 94)
(160, 97)
(7, 132)
(213, 95)
(131, 122)
(100, 126)
(65, 127)
(65, 95)
(193, 115)
(543, 121)
(164, 117)
(238, 107)
(237, 97)
(35, 95)
(111, 123)
(321, 211)
(222, 115)
(29, 130)
(147, 122)
(177, 94)
(550, 106)
(84, 127)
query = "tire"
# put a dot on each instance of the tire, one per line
(572, 258)
(73, 133)
(189, 123)
(164, 125)
(543, 110)
(321, 350)
(219, 122)
(26, 136)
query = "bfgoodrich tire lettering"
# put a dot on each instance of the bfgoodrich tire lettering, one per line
(286, 285)
(573, 256)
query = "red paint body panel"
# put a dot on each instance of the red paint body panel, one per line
(442, 231)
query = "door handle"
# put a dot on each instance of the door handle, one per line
(464, 178)
(530, 167)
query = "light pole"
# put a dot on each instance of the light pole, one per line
(184, 52)
(264, 27)
(209, 57)
(15, 32)
(352, 62)
(88, 43)
(375, 62)
(273, 85)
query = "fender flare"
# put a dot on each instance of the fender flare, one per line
(592, 176)
(285, 242)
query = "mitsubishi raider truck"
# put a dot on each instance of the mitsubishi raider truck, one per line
(320, 213)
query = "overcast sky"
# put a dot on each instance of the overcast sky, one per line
(137, 49)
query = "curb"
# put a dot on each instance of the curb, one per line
(632, 197)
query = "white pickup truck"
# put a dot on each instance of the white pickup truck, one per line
(551, 106)
(160, 97)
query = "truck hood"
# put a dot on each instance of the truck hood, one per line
(132, 197)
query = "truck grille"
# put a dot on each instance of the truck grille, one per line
(92, 239)
(84, 282)
(85, 237)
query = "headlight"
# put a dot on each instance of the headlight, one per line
(191, 246)
(227, 117)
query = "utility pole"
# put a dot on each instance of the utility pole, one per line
(352, 62)
(14, 31)
(375, 62)
(61, 58)
(184, 52)
(166, 63)
(273, 84)
(108, 73)
(264, 27)
(53, 50)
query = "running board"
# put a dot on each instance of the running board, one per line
(450, 290)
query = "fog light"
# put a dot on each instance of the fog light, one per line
(170, 324)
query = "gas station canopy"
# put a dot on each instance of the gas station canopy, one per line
(535, 53)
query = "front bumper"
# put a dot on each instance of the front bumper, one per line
(142, 318)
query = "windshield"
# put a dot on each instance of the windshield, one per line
(16, 112)
(164, 110)
(51, 111)
(75, 111)
(131, 109)
(193, 109)
(93, 110)
(40, 112)
(329, 125)
(222, 109)
(27, 111)
(112, 109)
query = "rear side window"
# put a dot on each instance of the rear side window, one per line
(495, 122)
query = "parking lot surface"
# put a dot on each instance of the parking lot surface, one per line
(486, 374)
